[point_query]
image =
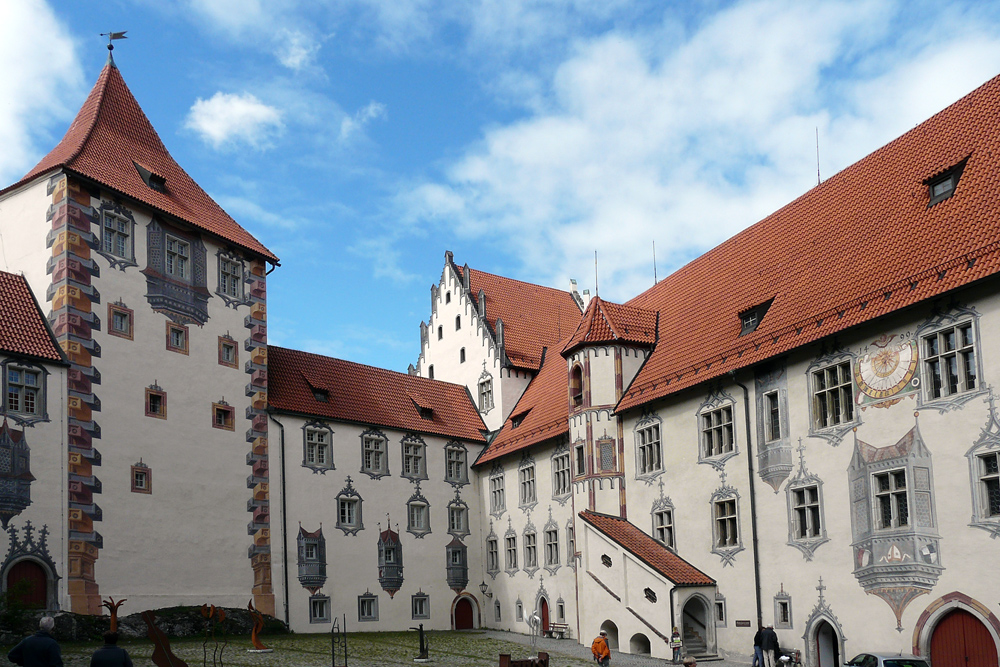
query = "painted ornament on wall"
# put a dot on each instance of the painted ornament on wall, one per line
(885, 371)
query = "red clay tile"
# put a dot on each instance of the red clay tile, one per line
(23, 329)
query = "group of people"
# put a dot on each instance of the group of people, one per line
(602, 652)
(765, 647)
(42, 650)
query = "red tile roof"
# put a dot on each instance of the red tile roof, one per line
(606, 322)
(110, 136)
(23, 329)
(367, 395)
(859, 246)
(648, 550)
(533, 316)
(545, 406)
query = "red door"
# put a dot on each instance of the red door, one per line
(463, 615)
(960, 640)
(32, 592)
(545, 616)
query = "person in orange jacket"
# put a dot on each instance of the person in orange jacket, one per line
(602, 654)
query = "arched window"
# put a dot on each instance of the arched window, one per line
(461, 356)
(458, 322)
(576, 386)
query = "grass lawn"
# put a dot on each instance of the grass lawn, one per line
(365, 649)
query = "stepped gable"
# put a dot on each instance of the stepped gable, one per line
(545, 407)
(606, 322)
(860, 245)
(649, 551)
(534, 317)
(23, 328)
(111, 139)
(367, 395)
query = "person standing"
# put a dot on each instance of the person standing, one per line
(110, 655)
(769, 646)
(758, 658)
(675, 644)
(602, 654)
(38, 650)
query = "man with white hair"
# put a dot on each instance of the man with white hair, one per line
(38, 650)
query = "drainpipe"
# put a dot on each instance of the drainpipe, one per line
(284, 515)
(673, 620)
(753, 494)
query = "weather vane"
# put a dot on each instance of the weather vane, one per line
(113, 36)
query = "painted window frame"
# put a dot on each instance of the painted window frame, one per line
(418, 507)
(374, 453)
(322, 442)
(119, 213)
(223, 416)
(498, 492)
(38, 394)
(562, 473)
(350, 496)
(120, 310)
(319, 608)
(141, 470)
(367, 608)
(413, 457)
(228, 343)
(420, 606)
(155, 390)
(231, 275)
(456, 464)
(185, 337)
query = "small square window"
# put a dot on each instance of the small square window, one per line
(142, 478)
(177, 338)
(25, 393)
(156, 402)
(319, 609)
(120, 319)
(229, 354)
(420, 606)
(223, 416)
(367, 607)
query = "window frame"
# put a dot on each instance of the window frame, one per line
(648, 435)
(889, 498)
(120, 214)
(413, 453)
(937, 359)
(231, 284)
(318, 604)
(316, 446)
(424, 601)
(730, 537)
(374, 448)
(485, 394)
(712, 447)
(822, 394)
(551, 546)
(367, 608)
(580, 454)
(456, 464)
(226, 342)
(529, 543)
(527, 488)
(172, 346)
(418, 507)
(38, 391)
(119, 309)
(498, 493)
(664, 527)
(347, 497)
(492, 555)
(510, 553)
(155, 390)
(562, 473)
(227, 414)
(143, 470)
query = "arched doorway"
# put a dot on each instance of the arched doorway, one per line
(961, 640)
(27, 581)
(543, 611)
(612, 630)
(827, 646)
(464, 615)
(639, 644)
(695, 629)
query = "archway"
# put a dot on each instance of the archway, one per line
(464, 613)
(695, 626)
(827, 646)
(961, 640)
(639, 644)
(612, 630)
(543, 611)
(28, 582)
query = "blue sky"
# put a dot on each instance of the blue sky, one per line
(360, 139)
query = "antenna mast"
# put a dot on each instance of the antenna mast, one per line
(597, 290)
(654, 261)
(818, 181)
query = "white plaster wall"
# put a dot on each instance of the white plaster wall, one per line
(23, 242)
(602, 375)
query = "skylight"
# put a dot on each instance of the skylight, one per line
(751, 317)
(942, 186)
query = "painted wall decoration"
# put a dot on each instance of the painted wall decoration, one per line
(457, 565)
(821, 630)
(390, 559)
(176, 275)
(885, 371)
(774, 456)
(984, 474)
(311, 548)
(897, 548)
(15, 473)
(727, 540)
(806, 512)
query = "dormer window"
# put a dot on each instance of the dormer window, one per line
(321, 395)
(516, 420)
(942, 186)
(426, 413)
(750, 318)
(154, 181)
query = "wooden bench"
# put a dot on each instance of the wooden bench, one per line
(541, 661)
(558, 630)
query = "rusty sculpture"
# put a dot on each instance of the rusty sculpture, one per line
(258, 625)
(112, 607)
(214, 618)
(162, 655)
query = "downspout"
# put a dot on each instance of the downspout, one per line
(284, 515)
(673, 621)
(753, 495)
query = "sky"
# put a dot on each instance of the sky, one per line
(359, 140)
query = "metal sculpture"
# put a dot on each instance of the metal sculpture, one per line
(112, 607)
(258, 625)
(338, 640)
(424, 645)
(162, 655)
(214, 620)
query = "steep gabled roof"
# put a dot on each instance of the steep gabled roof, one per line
(863, 244)
(544, 408)
(648, 550)
(23, 328)
(367, 395)
(534, 317)
(111, 141)
(606, 322)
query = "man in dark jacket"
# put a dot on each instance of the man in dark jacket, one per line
(38, 650)
(110, 655)
(769, 646)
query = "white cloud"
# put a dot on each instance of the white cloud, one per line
(351, 125)
(38, 92)
(226, 119)
(295, 49)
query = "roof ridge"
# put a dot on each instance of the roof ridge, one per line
(517, 280)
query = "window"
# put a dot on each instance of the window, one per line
(717, 431)
(496, 610)
(230, 277)
(430, 371)
(571, 545)
(606, 560)
(518, 419)
(367, 607)
(772, 417)
(456, 470)
(649, 594)
(116, 235)
(223, 416)
(420, 606)
(750, 319)
(177, 338)
(607, 449)
(663, 527)
(498, 501)
(156, 402)
(527, 477)
(312, 551)
(989, 481)
(891, 505)
(319, 609)
(414, 450)
(650, 453)
(417, 521)
(726, 527)
(806, 512)
(492, 555)
(943, 186)
(552, 547)
(576, 387)
(447, 297)
(318, 452)
(561, 475)
(485, 394)
(373, 457)
(784, 616)
(178, 258)
(440, 335)
(458, 519)
(720, 611)
(142, 478)
(349, 511)
(458, 322)
(519, 611)
(228, 352)
(24, 390)
(581, 459)
(511, 544)
(560, 611)
(120, 318)
(833, 396)
(950, 361)
(530, 551)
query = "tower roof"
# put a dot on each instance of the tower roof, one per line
(112, 142)
(606, 322)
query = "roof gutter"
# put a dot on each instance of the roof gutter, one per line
(753, 495)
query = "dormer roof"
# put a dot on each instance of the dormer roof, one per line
(606, 322)
(112, 142)
(24, 330)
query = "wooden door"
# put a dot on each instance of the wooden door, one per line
(32, 593)
(544, 612)
(463, 615)
(961, 640)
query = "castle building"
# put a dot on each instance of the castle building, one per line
(798, 428)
